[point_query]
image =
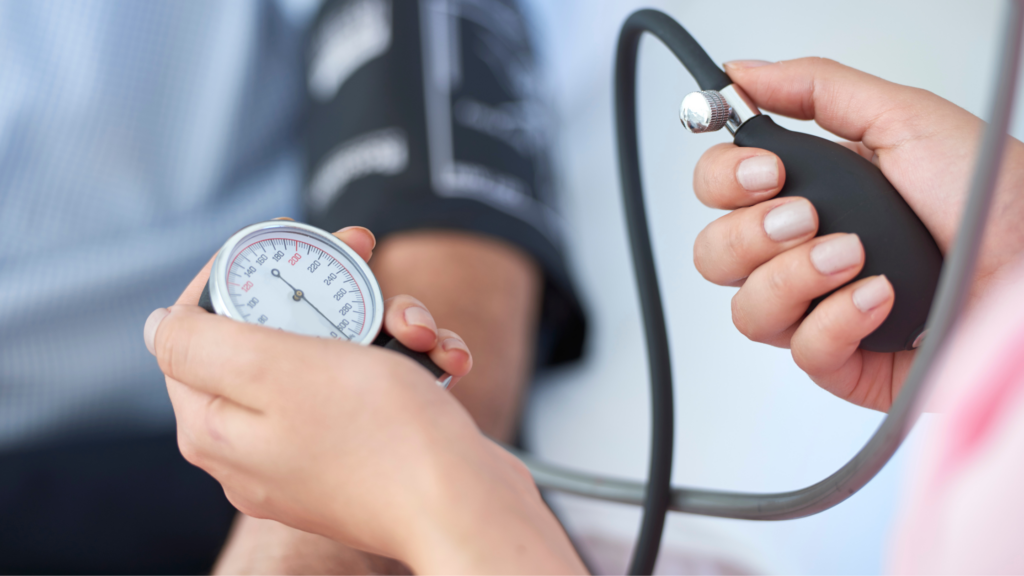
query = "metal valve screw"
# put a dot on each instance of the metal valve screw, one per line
(704, 111)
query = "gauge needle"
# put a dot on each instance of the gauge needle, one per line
(277, 274)
(300, 295)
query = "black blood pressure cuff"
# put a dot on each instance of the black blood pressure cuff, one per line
(426, 115)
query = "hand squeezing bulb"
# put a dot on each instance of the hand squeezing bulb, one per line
(851, 195)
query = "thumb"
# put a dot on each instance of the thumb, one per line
(847, 102)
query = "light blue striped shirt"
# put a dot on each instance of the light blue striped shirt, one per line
(134, 138)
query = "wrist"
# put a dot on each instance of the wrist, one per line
(482, 513)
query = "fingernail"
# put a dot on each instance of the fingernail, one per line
(837, 254)
(747, 64)
(367, 230)
(416, 316)
(873, 294)
(152, 323)
(791, 220)
(454, 344)
(758, 173)
(285, 218)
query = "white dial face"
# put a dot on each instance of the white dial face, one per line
(298, 279)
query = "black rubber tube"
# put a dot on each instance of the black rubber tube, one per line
(710, 77)
(659, 477)
(697, 62)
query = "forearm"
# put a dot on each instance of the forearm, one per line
(259, 546)
(489, 514)
(488, 292)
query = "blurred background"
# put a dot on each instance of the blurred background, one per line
(746, 418)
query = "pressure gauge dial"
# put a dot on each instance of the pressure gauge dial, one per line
(298, 278)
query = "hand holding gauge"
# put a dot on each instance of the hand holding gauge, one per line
(298, 278)
(288, 423)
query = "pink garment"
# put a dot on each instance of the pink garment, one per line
(965, 511)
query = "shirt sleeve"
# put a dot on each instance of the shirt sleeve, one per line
(428, 115)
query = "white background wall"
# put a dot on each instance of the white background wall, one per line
(746, 417)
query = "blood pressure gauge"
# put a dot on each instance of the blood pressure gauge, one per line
(298, 278)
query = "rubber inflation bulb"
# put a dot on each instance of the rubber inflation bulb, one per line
(851, 195)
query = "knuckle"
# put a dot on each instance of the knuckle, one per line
(723, 251)
(825, 323)
(708, 180)
(817, 64)
(753, 304)
(779, 279)
(216, 417)
(702, 248)
(738, 320)
(831, 326)
(741, 319)
(240, 503)
(189, 451)
(244, 505)
(258, 496)
(736, 245)
(811, 353)
(802, 357)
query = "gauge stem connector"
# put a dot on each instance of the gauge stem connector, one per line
(711, 110)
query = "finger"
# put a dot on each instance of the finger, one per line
(452, 355)
(777, 294)
(852, 104)
(408, 320)
(729, 177)
(359, 239)
(835, 363)
(730, 248)
(829, 336)
(227, 358)
(209, 427)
